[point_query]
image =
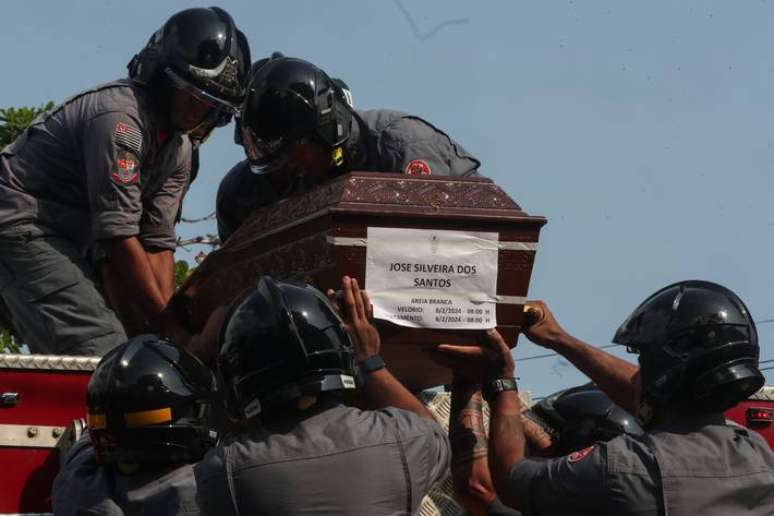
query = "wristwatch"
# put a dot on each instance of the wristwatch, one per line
(371, 364)
(492, 389)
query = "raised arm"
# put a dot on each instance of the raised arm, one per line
(615, 376)
(381, 388)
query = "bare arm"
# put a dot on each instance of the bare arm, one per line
(381, 388)
(162, 262)
(615, 376)
(507, 442)
(384, 390)
(470, 468)
(129, 266)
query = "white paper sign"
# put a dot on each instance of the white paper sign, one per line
(427, 278)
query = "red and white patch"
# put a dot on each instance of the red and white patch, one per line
(579, 455)
(128, 137)
(126, 170)
(418, 167)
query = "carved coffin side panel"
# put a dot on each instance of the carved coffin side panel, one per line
(305, 257)
(289, 211)
(388, 191)
(399, 190)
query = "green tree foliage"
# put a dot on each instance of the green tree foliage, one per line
(12, 122)
(15, 120)
(8, 342)
(182, 272)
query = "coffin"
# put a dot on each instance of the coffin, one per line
(322, 234)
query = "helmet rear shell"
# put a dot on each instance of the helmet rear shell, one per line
(281, 341)
(696, 342)
(150, 401)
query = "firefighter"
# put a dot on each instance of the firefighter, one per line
(558, 425)
(148, 405)
(286, 359)
(582, 415)
(95, 185)
(698, 356)
(298, 130)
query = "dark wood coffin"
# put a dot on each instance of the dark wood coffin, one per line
(321, 235)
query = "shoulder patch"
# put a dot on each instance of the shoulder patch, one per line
(417, 167)
(579, 455)
(128, 136)
(125, 169)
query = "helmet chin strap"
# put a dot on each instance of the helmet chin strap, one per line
(337, 156)
(305, 402)
(128, 468)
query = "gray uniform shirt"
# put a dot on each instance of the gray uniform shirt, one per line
(84, 487)
(340, 460)
(96, 167)
(381, 141)
(697, 467)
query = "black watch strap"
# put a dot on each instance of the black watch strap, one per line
(371, 364)
(491, 389)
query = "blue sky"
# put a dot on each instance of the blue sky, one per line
(643, 131)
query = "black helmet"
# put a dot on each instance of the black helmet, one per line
(150, 401)
(202, 51)
(290, 100)
(584, 415)
(697, 344)
(280, 342)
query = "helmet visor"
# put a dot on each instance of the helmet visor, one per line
(267, 156)
(221, 111)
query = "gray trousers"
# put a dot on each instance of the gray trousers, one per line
(49, 290)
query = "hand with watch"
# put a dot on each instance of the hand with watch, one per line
(380, 388)
(490, 364)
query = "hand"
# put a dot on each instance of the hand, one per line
(205, 344)
(357, 315)
(540, 326)
(478, 364)
(170, 327)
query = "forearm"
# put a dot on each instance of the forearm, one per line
(128, 265)
(384, 390)
(128, 313)
(506, 440)
(470, 467)
(162, 262)
(613, 375)
(539, 441)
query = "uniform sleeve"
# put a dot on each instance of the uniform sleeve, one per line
(213, 492)
(81, 487)
(161, 208)
(113, 147)
(556, 487)
(239, 194)
(413, 146)
(224, 200)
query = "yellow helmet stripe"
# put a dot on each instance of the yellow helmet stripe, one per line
(148, 417)
(96, 421)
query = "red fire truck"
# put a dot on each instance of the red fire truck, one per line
(42, 406)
